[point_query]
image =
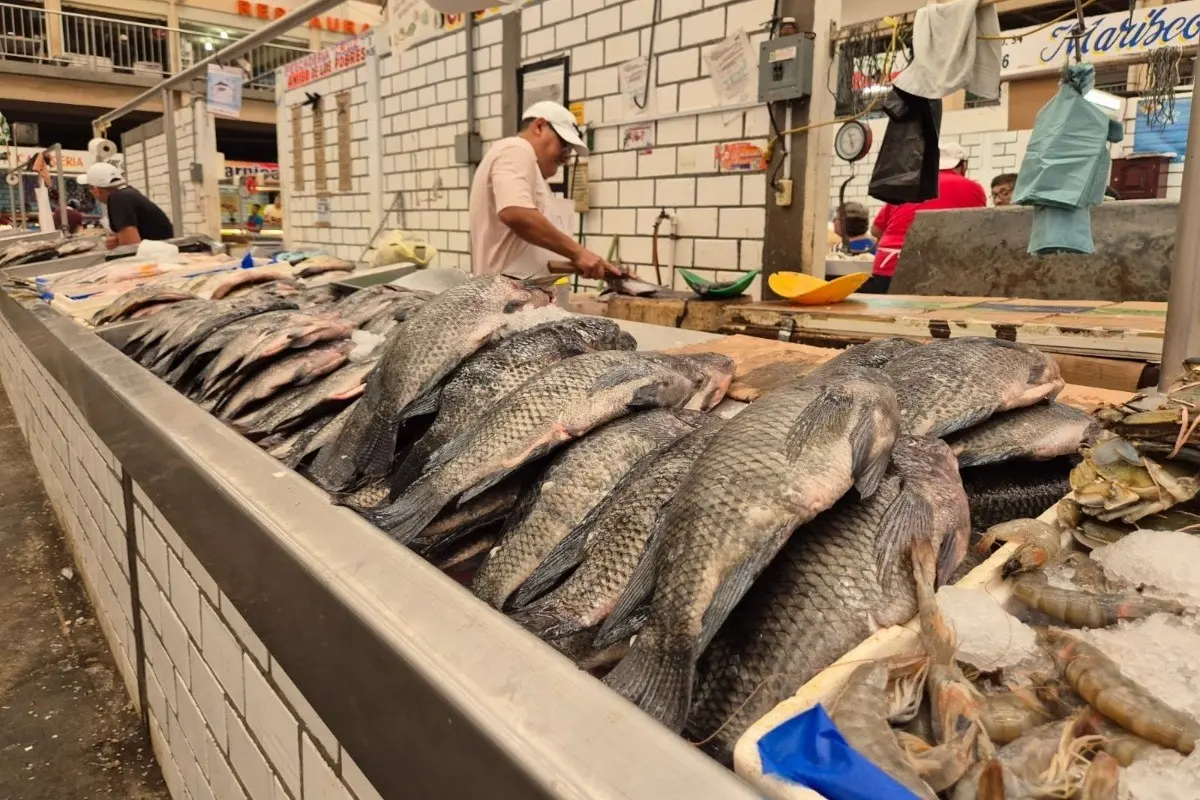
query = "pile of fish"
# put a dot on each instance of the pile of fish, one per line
(705, 564)
(45, 250)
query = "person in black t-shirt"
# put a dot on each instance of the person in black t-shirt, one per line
(132, 217)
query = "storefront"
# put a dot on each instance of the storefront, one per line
(250, 201)
(74, 163)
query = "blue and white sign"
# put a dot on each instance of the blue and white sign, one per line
(225, 91)
(1170, 138)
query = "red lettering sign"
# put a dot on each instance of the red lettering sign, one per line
(243, 8)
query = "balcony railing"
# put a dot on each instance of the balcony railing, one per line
(65, 38)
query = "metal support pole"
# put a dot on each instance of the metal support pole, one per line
(21, 199)
(168, 101)
(12, 208)
(471, 117)
(62, 189)
(1182, 336)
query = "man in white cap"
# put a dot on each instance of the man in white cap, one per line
(955, 190)
(132, 217)
(510, 232)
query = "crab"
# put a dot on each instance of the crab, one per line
(1115, 481)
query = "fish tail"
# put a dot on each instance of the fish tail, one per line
(405, 518)
(547, 619)
(657, 676)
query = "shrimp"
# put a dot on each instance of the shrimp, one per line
(1102, 779)
(860, 713)
(907, 691)
(1008, 716)
(1089, 575)
(1046, 762)
(1040, 544)
(941, 767)
(1122, 745)
(1084, 609)
(1099, 681)
(991, 781)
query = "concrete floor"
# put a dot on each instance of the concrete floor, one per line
(67, 728)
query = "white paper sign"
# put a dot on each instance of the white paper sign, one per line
(636, 100)
(225, 91)
(638, 136)
(410, 22)
(734, 68)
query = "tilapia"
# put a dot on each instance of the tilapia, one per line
(575, 481)
(1039, 432)
(74, 247)
(218, 286)
(315, 436)
(565, 402)
(149, 333)
(876, 354)
(787, 457)
(295, 405)
(317, 296)
(616, 537)
(444, 533)
(284, 287)
(125, 305)
(298, 369)
(318, 265)
(1013, 490)
(28, 253)
(423, 351)
(712, 373)
(365, 304)
(951, 384)
(490, 375)
(837, 580)
(200, 325)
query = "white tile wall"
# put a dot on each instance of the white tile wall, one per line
(147, 160)
(225, 722)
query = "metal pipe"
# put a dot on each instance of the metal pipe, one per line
(169, 128)
(471, 121)
(62, 189)
(236, 49)
(21, 200)
(1182, 336)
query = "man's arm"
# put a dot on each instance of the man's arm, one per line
(128, 235)
(881, 221)
(122, 220)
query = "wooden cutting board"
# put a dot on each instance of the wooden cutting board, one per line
(763, 364)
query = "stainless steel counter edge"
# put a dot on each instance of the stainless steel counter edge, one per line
(433, 694)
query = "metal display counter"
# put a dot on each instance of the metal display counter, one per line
(255, 607)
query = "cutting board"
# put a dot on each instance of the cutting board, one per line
(763, 364)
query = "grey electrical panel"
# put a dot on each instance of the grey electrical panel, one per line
(468, 148)
(785, 68)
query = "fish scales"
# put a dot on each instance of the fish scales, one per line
(951, 384)
(301, 402)
(222, 314)
(1039, 432)
(298, 369)
(827, 591)
(616, 537)
(135, 299)
(1014, 490)
(490, 375)
(422, 351)
(575, 481)
(787, 457)
(564, 402)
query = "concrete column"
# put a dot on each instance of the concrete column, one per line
(174, 60)
(54, 28)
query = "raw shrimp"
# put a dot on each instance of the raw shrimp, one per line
(1046, 762)
(1119, 743)
(1008, 716)
(907, 690)
(860, 713)
(1102, 779)
(1088, 575)
(1099, 681)
(1040, 544)
(991, 781)
(1084, 609)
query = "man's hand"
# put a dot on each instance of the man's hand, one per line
(110, 241)
(591, 265)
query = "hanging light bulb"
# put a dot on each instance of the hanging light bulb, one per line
(208, 46)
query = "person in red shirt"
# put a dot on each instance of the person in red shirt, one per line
(955, 190)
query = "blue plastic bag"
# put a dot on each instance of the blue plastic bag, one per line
(809, 750)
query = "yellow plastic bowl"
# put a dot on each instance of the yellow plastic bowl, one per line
(806, 290)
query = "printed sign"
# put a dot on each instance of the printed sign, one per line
(324, 212)
(411, 22)
(265, 170)
(297, 148)
(739, 157)
(734, 67)
(263, 11)
(1169, 139)
(341, 56)
(225, 91)
(638, 136)
(636, 100)
(74, 161)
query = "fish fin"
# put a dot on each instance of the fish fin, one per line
(619, 375)
(565, 556)
(991, 782)
(650, 395)
(449, 450)
(639, 588)
(657, 676)
(408, 470)
(1036, 372)
(379, 445)
(872, 466)
(427, 403)
(732, 588)
(405, 518)
(908, 517)
(484, 485)
(546, 619)
(631, 623)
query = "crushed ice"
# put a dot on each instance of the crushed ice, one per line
(1166, 560)
(989, 638)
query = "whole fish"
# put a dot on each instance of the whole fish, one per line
(222, 284)
(201, 325)
(150, 333)
(615, 537)
(298, 369)
(179, 369)
(314, 436)
(787, 457)
(361, 306)
(423, 351)
(284, 287)
(135, 299)
(1039, 432)
(1014, 490)
(575, 481)
(712, 373)
(489, 376)
(314, 296)
(876, 354)
(74, 247)
(28, 253)
(444, 533)
(248, 336)
(837, 580)
(296, 405)
(565, 402)
(318, 265)
(951, 384)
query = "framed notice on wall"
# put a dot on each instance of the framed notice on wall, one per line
(345, 166)
(545, 80)
(318, 115)
(297, 148)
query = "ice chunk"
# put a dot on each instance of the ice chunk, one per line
(1159, 654)
(365, 344)
(989, 638)
(1167, 560)
(1162, 775)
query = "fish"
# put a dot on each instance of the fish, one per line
(875, 354)
(135, 299)
(322, 295)
(787, 457)
(315, 436)
(490, 375)
(424, 350)
(361, 306)
(951, 384)
(712, 373)
(445, 532)
(178, 369)
(298, 369)
(221, 284)
(616, 537)
(574, 482)
(318, 265)
(302, 402)
(1039, 433)
(1014, 490)
(634, 287)
(28, 253)
(838, 579)
(564, 402)
(150, 333)
(199, 326)
(74, 247)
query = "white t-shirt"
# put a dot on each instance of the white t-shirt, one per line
(508, 177)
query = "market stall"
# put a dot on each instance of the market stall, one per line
(251, 204)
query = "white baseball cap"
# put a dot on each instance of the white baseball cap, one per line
(101, 175)
(562, 120)
(950, 155)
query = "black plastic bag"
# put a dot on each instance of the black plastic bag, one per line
(907, 168)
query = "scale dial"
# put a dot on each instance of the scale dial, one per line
(852, 141)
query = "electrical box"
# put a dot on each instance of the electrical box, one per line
(25, 134)
(468, 148)
(785, 68)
